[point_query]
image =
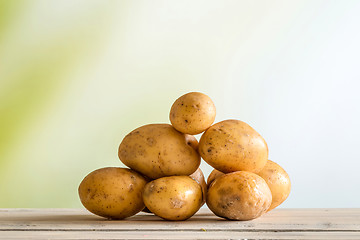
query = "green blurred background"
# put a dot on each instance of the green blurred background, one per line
(77, 76)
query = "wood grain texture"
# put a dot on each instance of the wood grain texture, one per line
(278, 224)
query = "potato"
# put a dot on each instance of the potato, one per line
(192, 113)
(213, 175)
(173, 198)
(198, 176)
(278, 181)
(191, 141)
(112, 192)
(158, 150)
(233, 145)
(239, 196)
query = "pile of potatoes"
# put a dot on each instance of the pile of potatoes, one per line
(164, 177)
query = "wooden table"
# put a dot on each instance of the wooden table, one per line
(277, 224)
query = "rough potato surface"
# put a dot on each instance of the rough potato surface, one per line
(112, 192)
(239, 196)
(233, 145)
(173, 198)
(278, 181)
(158, 150)
(198, 176)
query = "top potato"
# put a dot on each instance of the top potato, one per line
(158, 150)
(233, 145)
(192, 113)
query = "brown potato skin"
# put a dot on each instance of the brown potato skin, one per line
(191, 141)
(233, 145)
(158, 150)
(112, 192)
(239, 196)
(198, 176)
(278, 181)
(212, 176)
(192, 113)
(173, 198)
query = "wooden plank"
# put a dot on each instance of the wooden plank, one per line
(347, 220)
(8, 235)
